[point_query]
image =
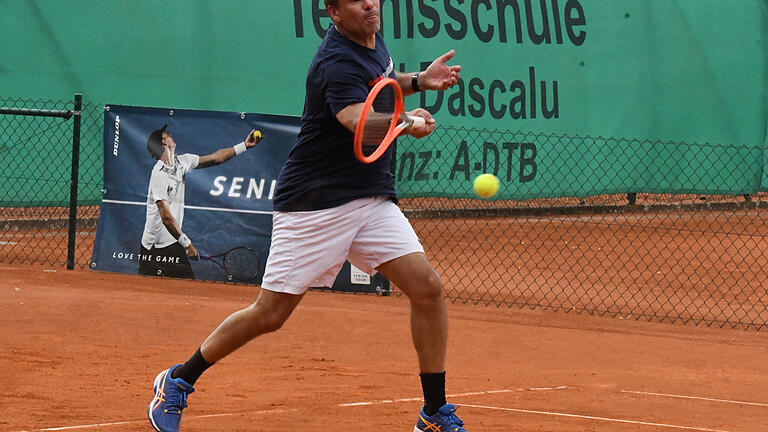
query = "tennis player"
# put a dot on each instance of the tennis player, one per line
(165, 249)
(330, 207)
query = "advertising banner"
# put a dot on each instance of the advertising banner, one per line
(533, 166)
(556, 97)
(225, 209)
(669, 70)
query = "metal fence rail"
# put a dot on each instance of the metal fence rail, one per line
(690, 258)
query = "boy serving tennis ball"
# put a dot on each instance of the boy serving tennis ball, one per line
(486, 185)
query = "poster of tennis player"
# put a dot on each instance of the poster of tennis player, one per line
(188, 193)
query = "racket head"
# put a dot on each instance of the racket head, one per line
(377, 126)
(242, 263)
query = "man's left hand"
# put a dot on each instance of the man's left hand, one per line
(253, 138)
(440, 76)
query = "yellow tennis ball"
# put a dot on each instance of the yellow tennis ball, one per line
(256, 135)
(486, 185)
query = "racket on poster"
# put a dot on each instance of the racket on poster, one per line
(240, 263)
(382, 119)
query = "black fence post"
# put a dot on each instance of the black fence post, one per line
(75, 173)
(632, 198)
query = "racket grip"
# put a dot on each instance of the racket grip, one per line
(417, 121)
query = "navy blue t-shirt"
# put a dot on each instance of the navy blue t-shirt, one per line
(321, 170)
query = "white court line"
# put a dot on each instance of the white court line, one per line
(605, 419)
(389, 401)
(82, 426)
(270, 411)
(696, 398)
(142, 421)
(220, 209)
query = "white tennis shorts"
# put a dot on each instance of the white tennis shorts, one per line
(309, 247)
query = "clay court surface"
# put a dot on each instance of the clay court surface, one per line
(80, 350)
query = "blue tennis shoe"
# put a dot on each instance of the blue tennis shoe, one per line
(170, 400)
(444, 420)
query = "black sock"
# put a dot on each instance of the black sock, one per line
(433, 385)
(192, 369)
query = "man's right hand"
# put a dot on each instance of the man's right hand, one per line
(192, 252)
(426, 128)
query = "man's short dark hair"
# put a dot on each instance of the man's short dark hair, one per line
(334, 3)
(155, 142)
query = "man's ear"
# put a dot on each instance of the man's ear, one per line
(333, 13)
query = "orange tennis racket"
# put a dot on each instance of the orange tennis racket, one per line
(383, 118)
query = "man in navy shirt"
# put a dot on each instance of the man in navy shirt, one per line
(330, 207)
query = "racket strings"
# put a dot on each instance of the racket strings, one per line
(379, 120)
(242, 264)
(376, 129)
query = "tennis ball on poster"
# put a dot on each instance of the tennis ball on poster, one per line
(486, 185)
(256, 135)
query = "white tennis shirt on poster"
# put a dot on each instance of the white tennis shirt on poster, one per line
(166, 183)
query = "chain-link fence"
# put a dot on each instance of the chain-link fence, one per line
(567, 231)
(573, 227)
(38, 139)
(699, 259)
